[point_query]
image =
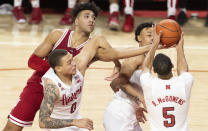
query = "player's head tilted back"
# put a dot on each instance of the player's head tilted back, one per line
(143, 33)
(84, 15)
(162, 65)
(62, 62)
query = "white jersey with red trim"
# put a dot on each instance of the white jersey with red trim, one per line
(135, 79)
(167, 101)
(68, 104)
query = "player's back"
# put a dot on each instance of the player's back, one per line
(167, 101)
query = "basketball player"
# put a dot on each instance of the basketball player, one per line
(36, 15)
(62, 85)
(113, 20)
(23, 113)
(120, 114)
(166, 97)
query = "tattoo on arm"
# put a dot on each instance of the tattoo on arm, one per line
(46, 108)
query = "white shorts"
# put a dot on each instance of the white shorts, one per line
(71, 128)
(120, 116)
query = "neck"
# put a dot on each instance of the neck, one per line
(81, 34)
(67, 79)
(79, 37)
(166, 77)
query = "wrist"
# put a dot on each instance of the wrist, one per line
(74, 122)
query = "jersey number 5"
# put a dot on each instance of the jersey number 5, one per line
(168, 116)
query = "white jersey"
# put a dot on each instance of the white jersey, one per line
(122, 118)
(167, 101)
(68, 104)
(135, 79)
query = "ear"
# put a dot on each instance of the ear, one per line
(58, 68)
(172, 65)
(76, 21)
(139, 38)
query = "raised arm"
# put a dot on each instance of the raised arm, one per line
(51, 94)
(182, 65)
(147, 64)
(96, 47)
(36, 60)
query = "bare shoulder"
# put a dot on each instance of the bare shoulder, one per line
(57, 32)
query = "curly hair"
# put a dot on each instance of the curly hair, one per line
(141, 27)
(84, 6)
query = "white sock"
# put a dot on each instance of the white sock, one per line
(128, 7)
(171, 5)
(17, 3)
(35, 3)
(183, 9)
(71, 3)
(114, 7)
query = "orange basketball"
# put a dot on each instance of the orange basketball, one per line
(171, 32)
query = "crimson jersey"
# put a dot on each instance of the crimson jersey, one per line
(63, 43)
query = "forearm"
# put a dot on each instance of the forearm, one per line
(127, 87)
(48, 122)
(150, 56)
(131, 52)
(182, 65)
(112, 54)
(129, 90)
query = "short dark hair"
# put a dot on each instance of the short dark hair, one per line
(84, 6)
(162, 64)
(140, 27)
(55, 56)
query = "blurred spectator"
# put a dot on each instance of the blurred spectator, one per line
(113, 20)
(36, 15)
(171, 6)
(67, 18)
(6, 9)
(182, 17)
(206, 21)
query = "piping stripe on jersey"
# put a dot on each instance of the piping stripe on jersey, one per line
(19, 122)
(60, 39)
(69, 42)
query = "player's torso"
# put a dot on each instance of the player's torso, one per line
(68, 104)
(65, 43)
(167, 105)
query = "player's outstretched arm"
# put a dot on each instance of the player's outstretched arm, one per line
(36, 60)
(182, 65)
(51, 93)
(147, 64)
